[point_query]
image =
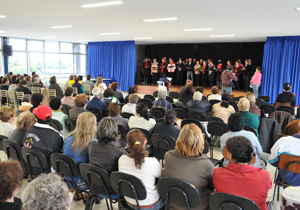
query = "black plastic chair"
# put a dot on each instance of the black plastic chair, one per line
(1, 139)
(158, 112)
(65, 109)
(213, 102)
(259, 102)
(122, 132)
(216, 162)
(265, 98)
(162, 143)
(288, 109)
(175, 106)
(155, 94)
(179, 193)
(94, 175)
(125, 101)
(211, 118)
(36, 161)
(189, 121)
(196, 116)
(146, 133)
(249, 128)
(149, 97)
(126, 115)
(184, 100)
(226, 201)
(234, 105)
(174, 95)
(129, 186)
(12, 149)
(236, 99)
(70, 124)
(216, 129)
(97, 113)
(56, 125)
(170, 99)
(181, 113)
(268, 108)
(147, 102)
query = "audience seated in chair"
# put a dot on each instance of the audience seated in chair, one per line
(77, 85)
(36, 100)
(117, 94)
(183, 88)
(108, 96)
(286, 96)
(253, 108)
(13, 87)
(188, 156)
(114, 112)
(240, 178)
(55, 105)
(215, 94)
(80, 103)
(161, 102)
(29, 81)
(223, 110)
(41, 136)
(71, 81)
(100, 84)
(187, 94)
(148, 169)
(291, 128)
(131, 90)
(197, 105)
(141, 120)
(201, 89)
(47, 191)
(289, 145)
(236, 126)
(11, 177)
(76, 144)
(37, 82)
(95, 102)
(22, 88)
(7, 116)
(68, 99)
(89, 82)
(25, 103)
(130, 107)
(56, 87)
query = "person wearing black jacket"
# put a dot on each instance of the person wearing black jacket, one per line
(147, 71)
(219, 71)
(187, 94)
(211, 73)
(180, 72)
(248, 72)
(190, 70)
(198, 105)
(23, 88)
(204, 76)
(286, 96)
(162, 68)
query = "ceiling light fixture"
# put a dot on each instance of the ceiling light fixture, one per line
(229, 35)
(57, 27)
(103, 4)
(297, 9)
(48, 37)
(115, 33)
(199, 29)
(84, 40)
(2, 32)
(161, 19)
(139, 38)
(3, 16)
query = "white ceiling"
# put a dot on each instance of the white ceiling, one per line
(248, 20)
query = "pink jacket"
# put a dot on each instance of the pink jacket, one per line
(256, 79)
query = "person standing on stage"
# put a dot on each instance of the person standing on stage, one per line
(230, 66)
(219, 71)
(211, 73)
(163, 67)
(146, 67)
(189, 70)
(248, 70)
(197, 68)
(179, 72)
(204, 74)
(256, 81)
(238, 73)
(154, 72)
(171, 69)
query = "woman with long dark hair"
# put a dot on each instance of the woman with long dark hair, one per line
(141, 120)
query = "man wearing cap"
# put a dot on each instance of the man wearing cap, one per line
(41, 136)
(286, 96)
(197, 105)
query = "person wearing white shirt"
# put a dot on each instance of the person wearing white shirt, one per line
(147, 169)
(141, 120)
(215, 94)
(130, 107)
(171, 68)
(7, 116)
(100, 84)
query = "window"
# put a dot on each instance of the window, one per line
(80, 64)
(80, 48)
(18, 63)
(51, 65)
(1, 59)
(66, 47)
(51, 47)
(17, 44)
(36, 62)
(35, 45)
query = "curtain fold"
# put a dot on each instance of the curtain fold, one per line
(281, 64)
(114, 60)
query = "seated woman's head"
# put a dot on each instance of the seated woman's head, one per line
(52, 80)
(131, 90)
(37, 99)
(108, 92)
(114, 86)
(114, 109)
(188, 87)
(55, 104)
(244, 104)
(11, 176)
(215, 90)
(236, 122)
(225, 100)
(25, 120)
(47, 191)
(107, 130)
(170, 117)
(26, 98)
(81, 100)
(133, 98)
(142, 110)
(190, 142)
(7, 114)
(240, 149)
(251, 97)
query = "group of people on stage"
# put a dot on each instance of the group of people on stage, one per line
(202, 72)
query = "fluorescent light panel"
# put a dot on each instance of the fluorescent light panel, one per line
(229, 35)
(199, 29)
(2, 32)
(84, 40)
(115, 33)
(3, 16)
(48, 37)
(297, 9)
(67, 26)
(139, 38)
(161, 19)
(103, 4)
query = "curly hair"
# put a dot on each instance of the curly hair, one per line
(36, 99)
(25, 120)
(240, 148)
(55, 103)
(108, 93)
(11, 176)
(47, 191)
(81, 100)
(114, 85)
(6, 113)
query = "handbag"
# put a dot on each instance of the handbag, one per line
(231, 83)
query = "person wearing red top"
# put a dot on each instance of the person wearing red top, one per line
(238, 73)
(240, 178)
(163, 67)
(147, 70)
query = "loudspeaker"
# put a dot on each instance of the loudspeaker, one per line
(7, 50)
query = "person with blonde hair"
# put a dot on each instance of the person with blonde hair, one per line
(249, 119)
(253, 108)
(47, 191)
(7, 116)
(100, 84)
(80, 103)
(76, 144)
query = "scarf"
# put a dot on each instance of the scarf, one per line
(219, 66)
(162, 68)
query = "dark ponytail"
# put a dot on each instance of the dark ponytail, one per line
(241, 149)
(225, 99)
(142, 109)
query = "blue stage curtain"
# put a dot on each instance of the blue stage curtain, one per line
(114, 60)
(281, 64)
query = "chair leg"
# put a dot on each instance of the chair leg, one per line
(278, 189)
(274, 192)
(107, 204)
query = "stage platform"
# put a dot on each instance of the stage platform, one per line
(149, 89)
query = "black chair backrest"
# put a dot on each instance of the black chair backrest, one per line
(226, 201)
(98, 114)
(189, 121)
(213, 102)
(64, 164)
(158, 112)
(147, 102)
(217, 128)
(234, 105)
(146, 133)
(259, 102)
(19, 112)
(196, 116)
(211, 118)
(125, 101)
(155, 94)
(268, 108)
(13, 149)
(65, 108)
(181, 113)
(128, 185)
(170, 99)
(175, 106)
(265, 98)
(70, 124)
(184, 100)
(288, 109)
(236, 99)
(56, 125)
(122, 133)
(34, 158)
(126, 115)
(249, 128)
(178, 192)
(1, 139)
(174, 95)
(162, 142)
(149, 97)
